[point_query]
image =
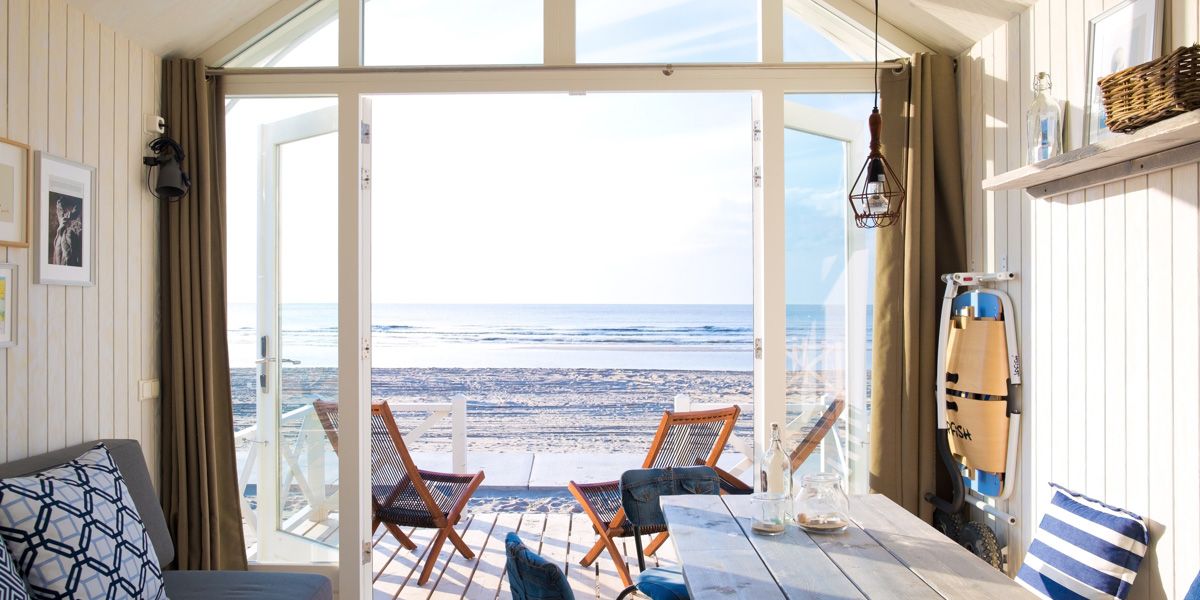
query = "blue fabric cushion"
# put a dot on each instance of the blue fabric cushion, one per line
(74, 532)
(1194, 591)
(531, 577)
(662, 584)
(1084, 548)
(12, 587)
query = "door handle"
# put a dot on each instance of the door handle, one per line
(289, 361)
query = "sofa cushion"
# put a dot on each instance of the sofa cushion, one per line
(239, 585)
(1084, 548)
(74, 532)
(132, 463)
(12, 587)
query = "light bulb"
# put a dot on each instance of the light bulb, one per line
(876, 202)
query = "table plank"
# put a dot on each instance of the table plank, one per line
(718, 561)
(874, 571)
(948, 568)
(801, 568)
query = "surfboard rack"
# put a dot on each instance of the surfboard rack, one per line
(978, 420)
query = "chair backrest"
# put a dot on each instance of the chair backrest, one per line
(641, 489)
(687, 439)
(392, 467)
(819, 430)
(531, 577)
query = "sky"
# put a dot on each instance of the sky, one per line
(549, 198)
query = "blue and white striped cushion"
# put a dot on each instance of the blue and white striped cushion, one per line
(1084, 549)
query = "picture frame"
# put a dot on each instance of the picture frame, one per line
(16, 173)
(8, 305)
(1123, 36)
(65, 224)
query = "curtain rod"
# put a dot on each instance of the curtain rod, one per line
(665, 68)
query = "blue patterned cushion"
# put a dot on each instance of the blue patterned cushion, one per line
(1084, 548)
(74, 532)
(12, 587)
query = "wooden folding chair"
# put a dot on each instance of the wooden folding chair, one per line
(683, 439)
(403, 495)
(820, 428)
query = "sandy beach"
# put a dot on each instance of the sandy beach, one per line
(525, 410)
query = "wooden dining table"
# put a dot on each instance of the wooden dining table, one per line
(886, 552)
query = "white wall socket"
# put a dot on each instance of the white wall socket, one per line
(148, 389)
(155, 124)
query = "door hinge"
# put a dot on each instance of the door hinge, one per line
(757, 347)
(756, 130)
(364, 132)
(366, 556)
(366, 348)
(366, 178)
(757, 177)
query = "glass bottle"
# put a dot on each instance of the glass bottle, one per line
(777, 468)
(1043, 122)
(773, 498)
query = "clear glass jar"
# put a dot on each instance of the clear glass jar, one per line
(771, 513)
(822, 505)
(1043, 122)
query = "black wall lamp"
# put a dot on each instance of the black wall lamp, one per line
(172, 182)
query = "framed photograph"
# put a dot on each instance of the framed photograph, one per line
(15, 173)
(1123, 36)
(8, 305)
(65, 223)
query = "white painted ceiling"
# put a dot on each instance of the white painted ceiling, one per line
(188, 27)
(173, 27)
(948, 26)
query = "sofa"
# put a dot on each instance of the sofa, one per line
(180, 585)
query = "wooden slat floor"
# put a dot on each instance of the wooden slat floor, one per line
(561, 538)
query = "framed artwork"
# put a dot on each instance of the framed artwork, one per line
(8, 305)
(65, 223)
(15, 170)
(1123, 36)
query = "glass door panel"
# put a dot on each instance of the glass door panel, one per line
(828, 285)
(295, 347)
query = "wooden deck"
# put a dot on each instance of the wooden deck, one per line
(561, 538)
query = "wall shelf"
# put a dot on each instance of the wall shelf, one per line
(1173, 141)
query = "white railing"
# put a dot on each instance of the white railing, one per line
(308, 447)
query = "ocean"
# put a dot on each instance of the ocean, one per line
(700, 337)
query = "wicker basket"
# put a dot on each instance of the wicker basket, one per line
(1152, 91)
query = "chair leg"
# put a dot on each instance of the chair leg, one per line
(618, 561)
(434, 550)
(656, 543)
(594, 553)
(459, 543)
(401, 537)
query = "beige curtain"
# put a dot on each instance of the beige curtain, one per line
(919, 104)
(199, 469)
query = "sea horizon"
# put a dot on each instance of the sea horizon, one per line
(702, 337)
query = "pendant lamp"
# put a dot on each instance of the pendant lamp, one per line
(877, 196)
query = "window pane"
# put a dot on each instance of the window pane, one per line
(829, 288)
(452, 32)
(815, 33)
(654, 31)
(310, 39)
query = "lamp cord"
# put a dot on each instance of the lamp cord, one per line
(876, 54)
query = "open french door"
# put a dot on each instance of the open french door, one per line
(297, 497)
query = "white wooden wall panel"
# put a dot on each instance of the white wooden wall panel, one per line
(73, 88)
(1107, 297)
